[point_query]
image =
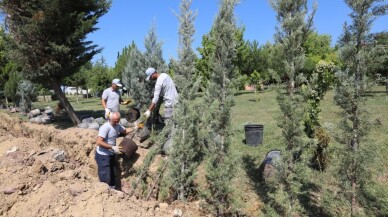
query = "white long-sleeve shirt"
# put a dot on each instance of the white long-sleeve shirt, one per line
(165, 88)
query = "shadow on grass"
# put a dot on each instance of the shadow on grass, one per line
(63, 121)
(309, 200)
(239, 93)
(374, 93)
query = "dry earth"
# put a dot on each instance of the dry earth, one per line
(46, 171)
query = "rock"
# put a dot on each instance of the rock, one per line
(76, 189)
(88, 120)
(35, 112)
(38, 119)
(163, 205)
(94, 126)
(146, 144)
(46, 120)
(49, 111)
(67, 175)
(56, 166)
(9, 190)
(177, 213)
(83, 125)
(100, 121)
(13, 149)
(38, 168)
(59, 155)
(124, 122)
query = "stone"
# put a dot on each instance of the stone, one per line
(9, 190)
(39, 168)
(59, 155)
(56, 166)
(177, 213)
(67, 175)
(163, 205)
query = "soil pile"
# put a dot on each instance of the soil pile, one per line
(46, 171)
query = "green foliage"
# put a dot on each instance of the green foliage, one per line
(317, 48)
(356, 52)
(293, 28)
(184, 155)
(53, 31)
(11, 87)
(49, 38)
(204, 65)
(28, 94)
(98, 78)
(121, 63)
(320, 81)
(134, 77)
(217, 103)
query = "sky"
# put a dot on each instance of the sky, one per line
(130, 20)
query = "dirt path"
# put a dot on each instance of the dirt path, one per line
(46, 171)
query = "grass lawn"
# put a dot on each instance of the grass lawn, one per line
(262, 108)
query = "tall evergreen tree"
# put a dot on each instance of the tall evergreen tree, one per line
(134, 77)
(218, 100)
(50, 37)
(292, 30)
(153, 56)
(184, 153)
(355, 52)
(122, 60)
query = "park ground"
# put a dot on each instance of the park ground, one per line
(32, 183)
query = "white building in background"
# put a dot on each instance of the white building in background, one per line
(73, 90)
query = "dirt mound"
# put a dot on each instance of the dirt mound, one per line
(46, 171)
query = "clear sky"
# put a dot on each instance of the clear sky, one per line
(130, 20)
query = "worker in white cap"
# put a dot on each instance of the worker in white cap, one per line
(111, 98)
(164, 90)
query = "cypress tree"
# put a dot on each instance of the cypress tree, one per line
(292, 30)
(153, 57)
(218, 100)
(184, 153)
(355, 52)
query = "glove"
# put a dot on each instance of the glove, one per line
(116, 149)
(126, 102)
(107, 113)
(147, 113)
(138, 125)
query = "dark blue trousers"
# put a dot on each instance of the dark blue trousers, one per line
(106, 168)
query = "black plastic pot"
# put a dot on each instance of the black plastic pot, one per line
(254, 134)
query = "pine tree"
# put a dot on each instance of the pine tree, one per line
(355, 52)
(183, 158)
(218, 99)
(292, 30)
(50, 38)
(134, 77)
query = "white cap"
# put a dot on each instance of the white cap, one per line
(149, 72)
(117, 82)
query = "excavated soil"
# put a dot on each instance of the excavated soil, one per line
(46, 171)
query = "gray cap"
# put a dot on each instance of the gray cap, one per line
(149, 72)
(117, 82)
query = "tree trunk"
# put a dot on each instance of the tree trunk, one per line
(76, 93)
(65, 103)
(386, 84)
